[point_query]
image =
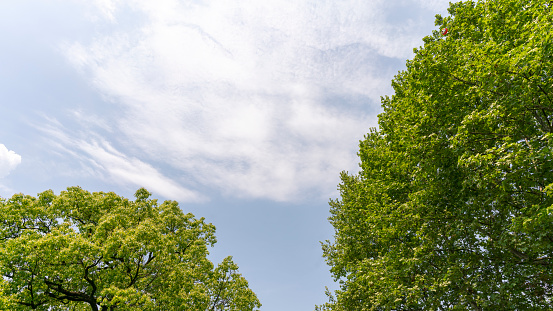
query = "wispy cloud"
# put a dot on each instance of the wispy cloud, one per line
(254, 98)
(107, 163)
(9, 160)
(130, 170)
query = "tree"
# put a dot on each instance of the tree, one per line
(452, 207)
(99, 251)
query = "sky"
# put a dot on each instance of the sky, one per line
(245, 112)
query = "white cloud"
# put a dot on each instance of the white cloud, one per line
(255, 98)
(9, 160)
(107, 163)
(130, 170)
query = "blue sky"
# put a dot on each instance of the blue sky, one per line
(243, 111)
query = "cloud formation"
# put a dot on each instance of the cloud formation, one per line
(108, 164)
(254, 98)
(9, 160)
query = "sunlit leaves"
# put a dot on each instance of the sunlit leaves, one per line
(99, 251)
(452, 208)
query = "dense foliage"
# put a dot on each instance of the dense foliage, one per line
(452, 208)
(99, 251)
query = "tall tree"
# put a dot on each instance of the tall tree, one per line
(452, 208)
(99, 251)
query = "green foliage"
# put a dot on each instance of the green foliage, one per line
(452, 208)
(99, 251)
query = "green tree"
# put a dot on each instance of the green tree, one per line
(452, 207)
(99, 251)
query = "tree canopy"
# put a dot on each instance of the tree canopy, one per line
(452, 207)
(99, 251)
